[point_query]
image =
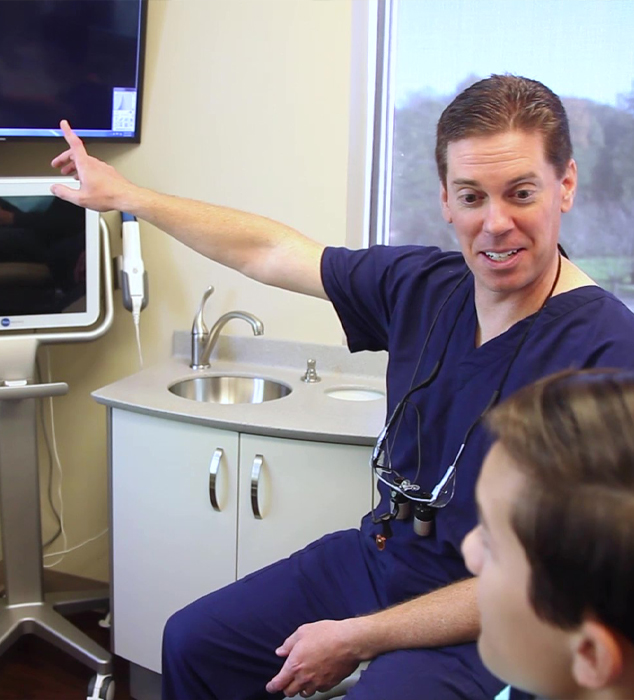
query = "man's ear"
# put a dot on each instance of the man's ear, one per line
(444, 205)
(568, 187)
(597, 655)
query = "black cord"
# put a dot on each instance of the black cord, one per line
(412, 389)
(495, 397)
(428, 380)
(435, 369)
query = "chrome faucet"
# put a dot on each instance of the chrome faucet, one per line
(204, 340)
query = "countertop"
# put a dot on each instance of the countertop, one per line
(307, 413)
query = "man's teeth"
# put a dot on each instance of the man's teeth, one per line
(500, 256)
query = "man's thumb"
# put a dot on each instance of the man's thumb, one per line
(66, 193)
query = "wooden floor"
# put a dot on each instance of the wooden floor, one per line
(32, 669)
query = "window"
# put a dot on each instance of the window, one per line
(427, 52)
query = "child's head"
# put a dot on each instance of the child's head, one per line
(554, 550)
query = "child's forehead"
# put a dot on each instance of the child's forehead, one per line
(500, 485)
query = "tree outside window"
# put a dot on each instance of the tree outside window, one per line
(583, 50)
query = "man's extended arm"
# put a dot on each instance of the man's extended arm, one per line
(321, 654)
(260, 248)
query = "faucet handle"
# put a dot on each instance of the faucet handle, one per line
(199, 327)
(311, 376)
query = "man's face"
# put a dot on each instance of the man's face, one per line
(505, 202)
(514, 643)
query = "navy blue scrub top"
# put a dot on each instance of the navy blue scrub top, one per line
(386, 299)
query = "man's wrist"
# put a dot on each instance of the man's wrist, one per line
(360, 632)
(133, 200)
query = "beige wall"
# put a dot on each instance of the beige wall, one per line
(246, 104)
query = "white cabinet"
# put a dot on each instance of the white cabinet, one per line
(168, 545)
(304, 490)
(194, 507)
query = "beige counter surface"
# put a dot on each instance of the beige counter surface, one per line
(307, 413)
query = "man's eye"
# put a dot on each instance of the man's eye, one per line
(469, 198)
(523, 194)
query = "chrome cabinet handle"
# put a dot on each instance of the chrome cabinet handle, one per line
(214, 465)
(255, 482)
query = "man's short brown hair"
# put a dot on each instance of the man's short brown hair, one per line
(572, 437)
(503, 103)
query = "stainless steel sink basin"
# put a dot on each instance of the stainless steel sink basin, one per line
(229, 389)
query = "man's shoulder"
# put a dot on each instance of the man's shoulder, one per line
(417, 261)
(587, 327)
(395, 268)
(591, 305)
(417, 252)
(398, 253)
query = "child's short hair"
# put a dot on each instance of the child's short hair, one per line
(572, 436)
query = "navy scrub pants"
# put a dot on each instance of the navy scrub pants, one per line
(222, 646)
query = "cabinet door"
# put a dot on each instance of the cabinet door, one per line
(302, 491)
(169, 545)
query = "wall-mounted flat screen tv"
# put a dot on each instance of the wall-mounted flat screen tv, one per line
(80, 60)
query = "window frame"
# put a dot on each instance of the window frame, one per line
(371, 122)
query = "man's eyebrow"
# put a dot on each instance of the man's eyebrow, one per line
(463, 181)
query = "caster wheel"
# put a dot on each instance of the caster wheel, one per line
(103, 691)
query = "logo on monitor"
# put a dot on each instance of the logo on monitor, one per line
(5, 322)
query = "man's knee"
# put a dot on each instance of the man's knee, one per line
(185, 634)
(178, 635)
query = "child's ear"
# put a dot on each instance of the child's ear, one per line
(597, 655)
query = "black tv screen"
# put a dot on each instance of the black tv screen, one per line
(80, 60)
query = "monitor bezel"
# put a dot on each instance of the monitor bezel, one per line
(89, 136)
(41, 186)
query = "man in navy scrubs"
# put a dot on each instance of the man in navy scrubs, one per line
(462, 330)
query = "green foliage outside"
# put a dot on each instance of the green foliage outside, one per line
(611, 272)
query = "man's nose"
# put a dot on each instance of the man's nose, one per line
(497, 218)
